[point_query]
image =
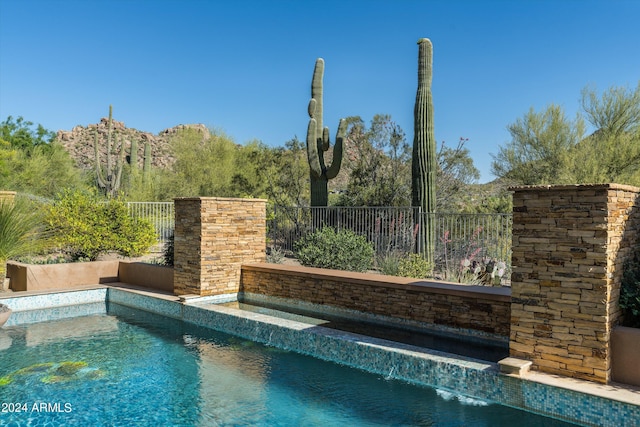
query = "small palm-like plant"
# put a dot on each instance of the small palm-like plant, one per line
(21, 231)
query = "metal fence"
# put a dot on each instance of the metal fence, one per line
(462, 237)
(388, 228)
(391, 229)
(161, 215)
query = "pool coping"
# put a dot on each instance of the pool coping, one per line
(413, 364)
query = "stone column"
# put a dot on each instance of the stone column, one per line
(569, 245)
(213, 238)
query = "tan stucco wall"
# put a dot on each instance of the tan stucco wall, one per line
(33, 277)
(146, 275)
(625, 345)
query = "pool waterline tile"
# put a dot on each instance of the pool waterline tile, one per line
(538, 393)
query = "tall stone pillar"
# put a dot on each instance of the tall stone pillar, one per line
(569, 246)
(213, 237)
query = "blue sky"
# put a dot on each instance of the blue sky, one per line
(245, 66)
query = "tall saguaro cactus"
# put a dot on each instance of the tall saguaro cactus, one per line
(109, 178)
(423, 168)
(318, 142)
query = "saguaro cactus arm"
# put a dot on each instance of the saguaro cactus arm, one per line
(333, 170)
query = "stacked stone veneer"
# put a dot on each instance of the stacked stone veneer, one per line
(213, 237)
(477, 308)
(569, 246)
(7, 196)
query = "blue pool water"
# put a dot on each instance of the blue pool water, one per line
(133, 368)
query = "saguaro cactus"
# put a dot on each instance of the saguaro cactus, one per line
(318, 142)
(146, 160)
(146, 166)
(423, 168)
(109, 179)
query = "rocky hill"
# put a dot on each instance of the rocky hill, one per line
(79, 142)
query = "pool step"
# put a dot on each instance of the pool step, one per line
(513, 366)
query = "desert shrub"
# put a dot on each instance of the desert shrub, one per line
(630, 292)
(84, 227)
(415, 266)
(339, 250)
(388, 263)
(275, 255)
(21, 231)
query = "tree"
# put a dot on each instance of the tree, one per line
(202, 167)
(20, 134)
(379, 164)
(616, 112)
(285, 172)
(456, 172)
(612, 152)
(546, 148)
(31, 161)
(539, 149)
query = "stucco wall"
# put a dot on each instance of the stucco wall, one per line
(34, 277)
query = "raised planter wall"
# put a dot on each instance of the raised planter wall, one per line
(42, 277)
(625, 350)
(35, 277)
(478, 308)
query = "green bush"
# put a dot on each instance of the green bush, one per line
(85, 227)
(630, 292)
(341, 250)
(415, 266)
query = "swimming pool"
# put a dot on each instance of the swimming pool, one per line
(130, 367)
(442, 375)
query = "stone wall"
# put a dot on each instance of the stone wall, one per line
(477, 308)
(569, 246)
(213, 238)
(7, 196)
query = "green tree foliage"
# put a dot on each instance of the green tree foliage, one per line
(85, 227)
(211, 167)
(44, 171)
(455, 175)
(379, 164)
(285, 171)
(539, 149)
(547, 148)
(338, 250)
(612, 152)
(31, 161)
(20, 134)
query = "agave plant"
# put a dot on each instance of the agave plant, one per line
(21, 231)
